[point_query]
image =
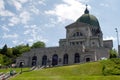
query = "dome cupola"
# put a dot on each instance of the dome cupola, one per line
(88, 18)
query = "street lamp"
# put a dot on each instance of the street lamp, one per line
(21, 65)
(0, 66)
(117, 40)
(48, 61)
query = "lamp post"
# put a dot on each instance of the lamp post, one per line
(49, 61)
(117, 40)
(0, 66)
(22, 64)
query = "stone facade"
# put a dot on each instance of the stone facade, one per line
(83, 43)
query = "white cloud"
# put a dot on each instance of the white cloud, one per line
(23, 1)
(38, 38)
(10, 35)
(17, 42)
(33, 32)
(14, 20)
(34, 9)
(2, 4)
(17, 4)
(41, 2)
(69, 10)
(25, 12)
(6, 13)
(51, 24)
(30, 29)
(84, 1)
(109, 38)
(25, 17)
(5, 28)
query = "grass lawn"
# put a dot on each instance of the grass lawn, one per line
(16, 69)
(87, 71)
(67, 78)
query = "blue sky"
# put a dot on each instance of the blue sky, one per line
(28, 21)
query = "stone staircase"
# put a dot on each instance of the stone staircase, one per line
(37, 67)
(8, 75)
(4, 76)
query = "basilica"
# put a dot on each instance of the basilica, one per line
(83, 43)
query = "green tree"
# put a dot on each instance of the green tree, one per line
(38, 44)
(9, 53)
(4, 50)
(113, 53)
(1, 59)
(6, 55)
(27, 45)
(6, 60)
(18, 50)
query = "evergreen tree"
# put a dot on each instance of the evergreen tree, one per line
(4, 50)
(27, 45)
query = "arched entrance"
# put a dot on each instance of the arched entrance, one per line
(65, 59)
(54, 59)
(44, 60)
(77, 58)
(34, 60)
(21, 64)
(87, 59)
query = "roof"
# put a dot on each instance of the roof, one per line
(89, 19)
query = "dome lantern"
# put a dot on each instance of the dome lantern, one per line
(86, 10)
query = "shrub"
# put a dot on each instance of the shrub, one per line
(111, 67)
(116, 60)
(113, 53)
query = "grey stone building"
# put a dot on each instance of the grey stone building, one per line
(83, 43)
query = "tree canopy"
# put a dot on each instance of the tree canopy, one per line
(38, 44)
(113, 53)
(8, 55)
(4, 50)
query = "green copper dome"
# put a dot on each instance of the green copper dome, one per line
(88, 18)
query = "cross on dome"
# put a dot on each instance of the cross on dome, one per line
(86, 10)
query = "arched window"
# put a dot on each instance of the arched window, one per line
(81, 34)
(44, 60)
(65, 59)
(34, 60)
(77, 34)
(76, 58)
(55, 59)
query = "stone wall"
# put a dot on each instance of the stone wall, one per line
(94, 54)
